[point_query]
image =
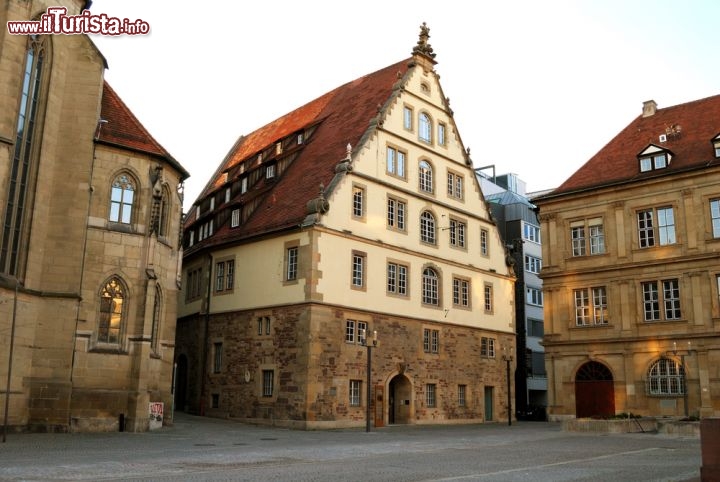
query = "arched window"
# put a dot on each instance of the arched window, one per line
(112, 304)
(666, 377)
(425, 173)
(23, 166)
(121, 199)
(430, 293)
(427, 227)
(425, 127)
(157, 309)
(163, 215)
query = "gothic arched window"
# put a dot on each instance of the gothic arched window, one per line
(121, 199)
(112, 307)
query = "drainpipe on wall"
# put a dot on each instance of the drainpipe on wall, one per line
(203, 366)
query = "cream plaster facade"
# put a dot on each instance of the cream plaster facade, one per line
(298, 328)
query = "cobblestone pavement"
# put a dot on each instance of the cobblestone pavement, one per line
(203, 449)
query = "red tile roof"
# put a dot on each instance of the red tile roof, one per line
(122, 129)
(342, 117)
(617, 162)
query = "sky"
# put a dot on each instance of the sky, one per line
(537, 88)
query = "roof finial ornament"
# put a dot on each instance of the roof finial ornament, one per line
(423, 47)
(348, 154)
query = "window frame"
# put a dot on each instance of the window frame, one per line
(487, 347)
(396, 162)
(358, 202)
(397, 284)
(123, 179)
(455, 185)
(591, 306)
(431, 340)
(292, 254)
(665, 378)
(268, 383)
(430, 287)
(396, 218)
(457, 233)
(431, 395)
(461, 293)
(653, 229)
(358, 270)
(112, 321)
(426, 177)
(657, 303)
(355, 393)
(428, 228)
(714, 204)
(425, 127)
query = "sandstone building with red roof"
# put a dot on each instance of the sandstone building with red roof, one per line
(631, 271)
(90, 210)
(353, 220)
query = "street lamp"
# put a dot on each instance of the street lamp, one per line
(508, 358)
(682, 354)
(369, 344)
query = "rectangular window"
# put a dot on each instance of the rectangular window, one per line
(395, 162)
(487, 347)
(263, 322)
(457, 233)
(228, 192)
(397, 279)
(268, 383)
(270, 171)
(534, 296)
(531, 232)
(350, 331)
(597, 239)
(430, 400)
(461, 292)
(666, 226)
(355, 391)
(715, 217)
(358, 204)
(217, 357)
(461, 395)
(488, 298)
(455, 185)
(292, 264)
(441, 134)
(670, 300)
(431, 340)
(358, 270)
(407, 118)
(193, 290)
(484, 242)
(235, 218)
(649, 234)
(243, 185)
(591, 306)
(396, 214)
(646, 234)
(230, 274)
(535, 328)
(220, 276)
(578, 240)
(215, 400)
(532, 264)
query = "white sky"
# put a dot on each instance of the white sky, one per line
(537, 87)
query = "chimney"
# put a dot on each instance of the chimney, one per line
(649, 108)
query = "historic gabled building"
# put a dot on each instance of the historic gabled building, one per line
(357, 213)
(89, 250)
(631, 271)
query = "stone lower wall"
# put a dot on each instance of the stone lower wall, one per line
(313, 363)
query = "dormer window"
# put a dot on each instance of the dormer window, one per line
(270, 171)
(653, 158)
(716, 145)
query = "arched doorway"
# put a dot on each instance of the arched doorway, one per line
(180, 383)
(399, 400)
(594, 391)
